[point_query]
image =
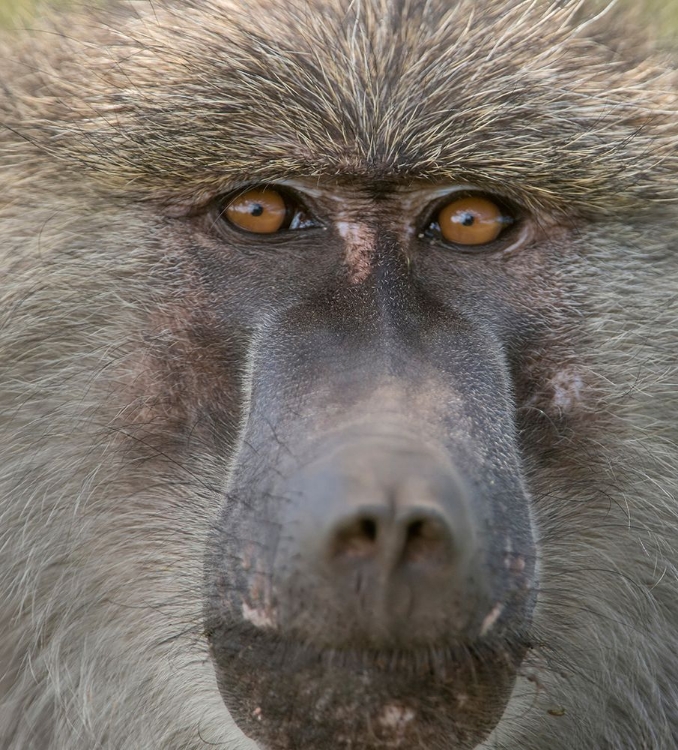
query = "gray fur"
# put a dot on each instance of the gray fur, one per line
(109, 474)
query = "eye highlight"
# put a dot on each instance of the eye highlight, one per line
(260, 210)
(472, 220)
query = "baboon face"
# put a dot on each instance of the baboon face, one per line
(374, 563)
(337, 380)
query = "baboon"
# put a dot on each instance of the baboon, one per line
(338, 378)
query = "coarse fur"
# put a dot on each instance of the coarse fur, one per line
(116, 427)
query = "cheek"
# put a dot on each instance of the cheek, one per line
(181, 383)
(551, 344)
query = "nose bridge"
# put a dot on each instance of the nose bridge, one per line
(372, 234)
(400, 304)
(375, 293)
(363, 333)
(399, 372)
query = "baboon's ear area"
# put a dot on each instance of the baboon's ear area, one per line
(254, 90)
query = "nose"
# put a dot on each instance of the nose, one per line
(388, 526)
(392, 522)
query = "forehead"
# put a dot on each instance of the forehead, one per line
(385, 92)
(379, 90)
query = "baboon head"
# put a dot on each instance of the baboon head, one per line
(330, 329)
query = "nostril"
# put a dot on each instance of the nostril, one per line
(427, 541)
(368, 527)
(356, 539)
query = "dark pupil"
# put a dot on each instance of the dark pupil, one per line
(467, 220)
(257, 209)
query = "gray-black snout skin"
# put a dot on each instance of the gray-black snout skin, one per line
(377, 566)
(375, 545)
(376, 501)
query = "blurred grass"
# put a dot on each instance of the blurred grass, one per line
(661, 14)
(17, 12)
(20, 12)
(10, 10)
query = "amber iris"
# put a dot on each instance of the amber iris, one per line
(471, 220)
(261, 211)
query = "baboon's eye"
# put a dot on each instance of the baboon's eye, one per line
(261, 210)
(472, 220)
(265, 210)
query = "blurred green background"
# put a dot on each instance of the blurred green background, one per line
(661, 14)
(19, 12)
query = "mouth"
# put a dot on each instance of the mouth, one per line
(289, 695)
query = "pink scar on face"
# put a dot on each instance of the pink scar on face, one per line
(395, 719)
(491, 618)
(360, 241)
(568, 386)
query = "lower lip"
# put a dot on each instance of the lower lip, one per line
(287, 695)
